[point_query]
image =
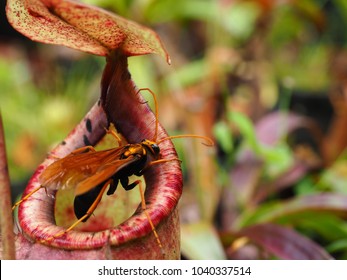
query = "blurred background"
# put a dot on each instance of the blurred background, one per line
(267, 80)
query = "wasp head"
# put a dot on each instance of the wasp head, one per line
(151, 147)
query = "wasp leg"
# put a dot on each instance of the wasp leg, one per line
(162, 161)
(114, 134)
(125, 183)
(83, 150)
(27, 196)
(86, 216)
(51, 155)
(156, 162)
(144, 208)
(113, 186)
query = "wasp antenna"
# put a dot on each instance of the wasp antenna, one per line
(156, 111)
(209, 143)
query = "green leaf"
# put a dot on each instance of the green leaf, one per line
(224, 137)
(181, 9)
(326, 203)
(338, 245)
(327, 225)
(246, 128)
(240, 19)
(200, 241)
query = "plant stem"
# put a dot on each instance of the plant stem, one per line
(6, 221)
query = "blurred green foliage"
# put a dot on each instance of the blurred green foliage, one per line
(38, 116)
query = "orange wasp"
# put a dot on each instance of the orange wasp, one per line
(90, 172)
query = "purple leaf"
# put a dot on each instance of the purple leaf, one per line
(285, 243)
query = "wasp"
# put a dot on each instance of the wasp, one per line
(91, 172)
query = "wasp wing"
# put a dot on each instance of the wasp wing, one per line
(75, 168)
(103, 174)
